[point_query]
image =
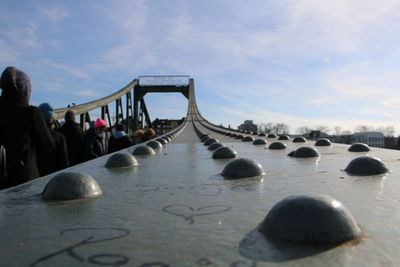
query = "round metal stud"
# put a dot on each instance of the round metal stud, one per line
(259, 142)
(163, 141)
(299, 139)
(248, 139)
(121, 160)
(262, 134)
(204, 138)
(143, 150)
(242, 168)
(304, 152)
(277, 145)
(272, 136)
(233, 135)
(284, 137)
(214, 146)
(312, 219)
(359, 147)
(239, 136)
(224, 152)
(323, 142)
(71, 185)
(362, 166)
(154, 144)
(209, 141)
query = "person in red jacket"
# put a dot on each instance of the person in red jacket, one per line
(96, 142)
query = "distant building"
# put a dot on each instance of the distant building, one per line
(315, 135)
(391, 142)
(373, 139)
(162, 126)
(248, 126)
(342, 139)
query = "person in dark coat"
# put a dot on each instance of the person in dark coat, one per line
(96, 143)
(74, 136)
(23, 131)
(119, 140)
(148, 134)
(59, 160)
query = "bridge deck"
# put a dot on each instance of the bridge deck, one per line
(174, 209)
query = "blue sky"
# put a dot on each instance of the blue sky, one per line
(304, 63)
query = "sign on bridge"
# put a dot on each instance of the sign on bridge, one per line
(178, 81)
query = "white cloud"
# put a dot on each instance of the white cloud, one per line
(70, 70)
(56, 13)
(8, 55)
(86, 93)
(23, 36)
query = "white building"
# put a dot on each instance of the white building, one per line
(373, 139)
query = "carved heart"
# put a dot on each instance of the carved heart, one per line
(188, 212)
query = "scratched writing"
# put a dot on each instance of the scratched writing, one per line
(204, 190)
(203, 262)
(188, 212)
(97, 259)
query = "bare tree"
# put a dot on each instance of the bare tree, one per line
(281, 128)
(387, 131)
(364, 128)
(322, 128)
(337, 130)
(303, 130)
(265, 127)
(277, 128)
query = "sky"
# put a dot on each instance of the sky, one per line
(302, 63)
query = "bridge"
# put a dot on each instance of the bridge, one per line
(192, 202)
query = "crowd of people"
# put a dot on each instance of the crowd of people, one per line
(31, 147)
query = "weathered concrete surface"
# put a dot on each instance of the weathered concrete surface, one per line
(175, 209)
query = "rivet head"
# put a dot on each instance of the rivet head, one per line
(233, 135)
(259, 142)
(363, 166)
(239, 136)
(224, 152)
(209, 141)
(143, 150)
(154, 144)
(214, 146)
(312, 219)
(323, 142)
(163, 141)
(284, 137)
(121, 160)
(262, 134)
(204, 137)
(248, 139)
(71, 185)
(242, 168)
(304, 152)
(299, 139)
(272, 136)
(277, 145)
(359, 147)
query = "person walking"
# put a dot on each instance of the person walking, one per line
(23, 130)
(59, 160)
(119, 139)
(96, 143)
(74, 135)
